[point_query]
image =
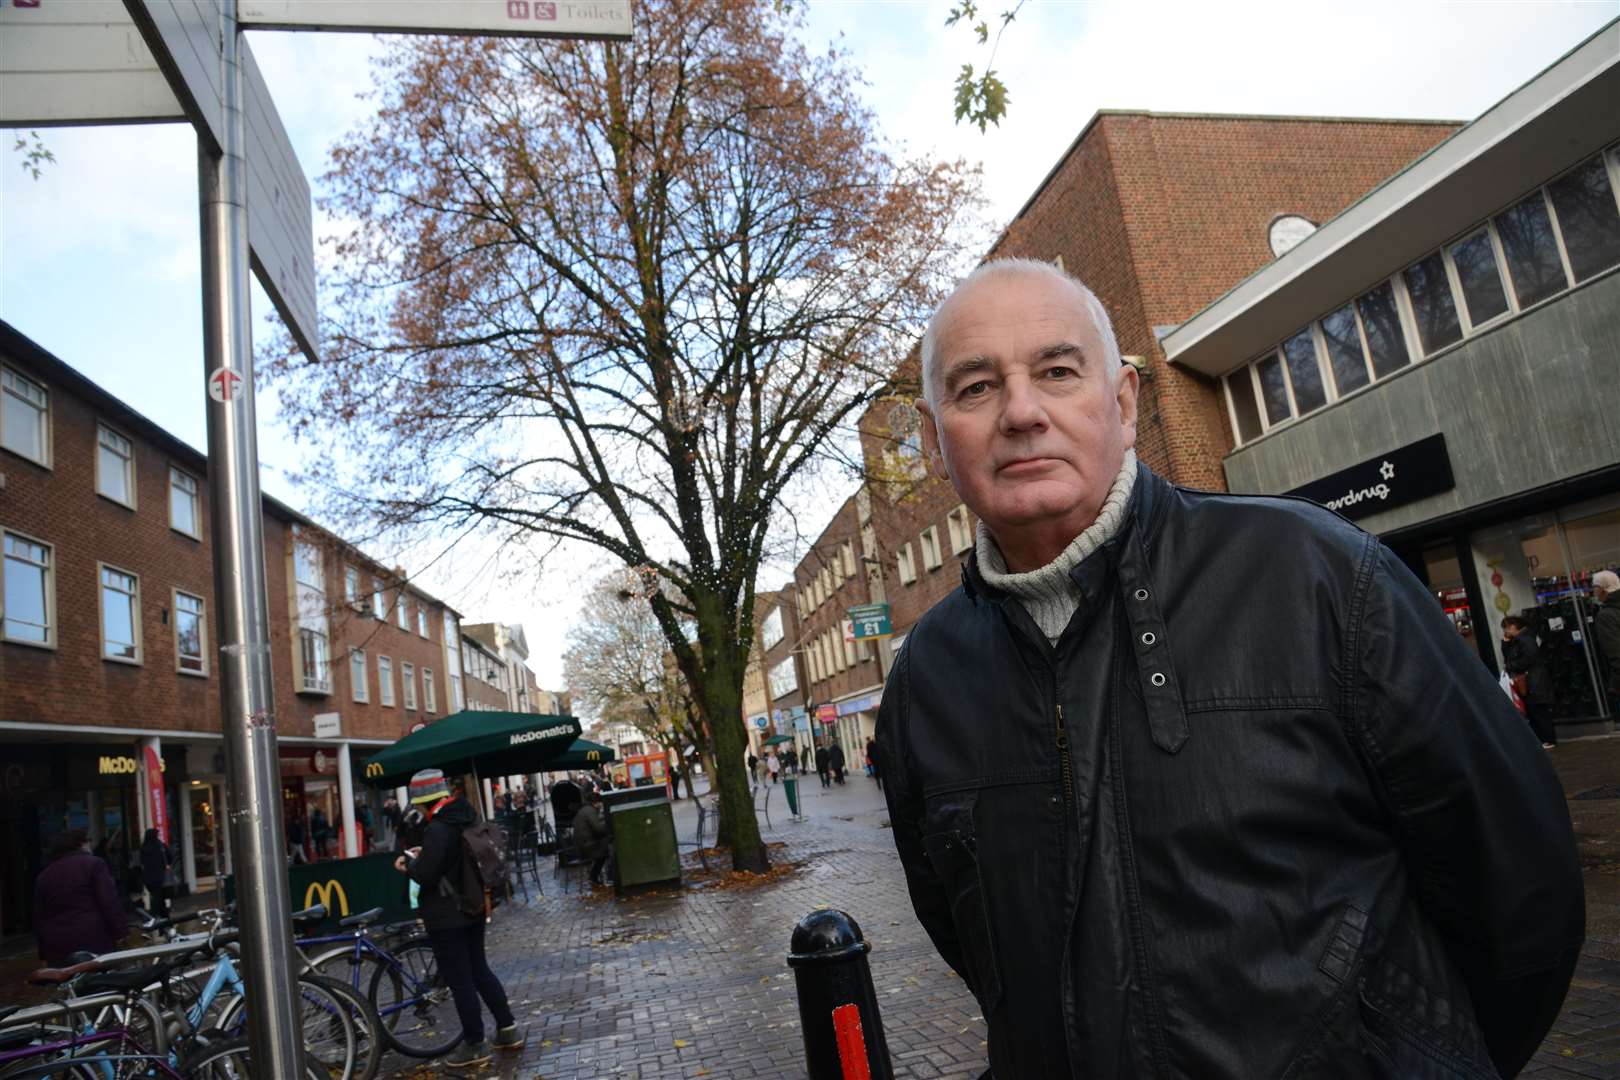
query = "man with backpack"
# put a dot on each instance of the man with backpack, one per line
(454, 867)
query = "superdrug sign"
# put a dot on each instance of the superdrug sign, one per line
(1413, 472)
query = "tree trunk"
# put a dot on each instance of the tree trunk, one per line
(720, 698)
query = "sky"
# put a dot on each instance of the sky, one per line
(99, 258)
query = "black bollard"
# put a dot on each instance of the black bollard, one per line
(838, 1007)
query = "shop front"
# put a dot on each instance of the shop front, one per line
(49, 787)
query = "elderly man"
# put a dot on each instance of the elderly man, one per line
(1199, 785)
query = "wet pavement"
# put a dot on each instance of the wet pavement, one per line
(693, 982)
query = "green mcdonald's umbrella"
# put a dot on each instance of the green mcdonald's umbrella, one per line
(584, 754)
(491, 743)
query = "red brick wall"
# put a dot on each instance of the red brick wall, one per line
(73, 685)
(830, 614)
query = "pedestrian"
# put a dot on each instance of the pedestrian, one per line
(1198, 784)
(157, 873)
(873, 768)
(457, 938)
(1521, 656)
(1606, 628)
(753, 769)
(295, 841)
(790, 761)
(823, 769)
(76, 904)
(319, 831)
(392, 816)
(591, 833)
(773, 765)
(835, 762)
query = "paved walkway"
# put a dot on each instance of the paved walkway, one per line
(693, 984)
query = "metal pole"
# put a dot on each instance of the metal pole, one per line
(253, 775)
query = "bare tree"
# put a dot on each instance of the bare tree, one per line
(623, 295)
(619, 667)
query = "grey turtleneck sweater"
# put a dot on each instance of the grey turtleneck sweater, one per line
(1048, 593)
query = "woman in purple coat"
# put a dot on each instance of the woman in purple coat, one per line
(76, 904)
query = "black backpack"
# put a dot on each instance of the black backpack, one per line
(484, 883)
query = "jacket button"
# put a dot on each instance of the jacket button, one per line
(1157, 678)
(1141, 594)
(1149, 638)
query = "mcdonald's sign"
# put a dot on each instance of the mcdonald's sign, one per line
(593, 755)
(322, 893)
(372, 769)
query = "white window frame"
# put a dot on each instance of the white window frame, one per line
(49, 586)
(45, 435)
(847, 551)
(201, 671)
(422, 630)
(129, 464)
(320, 680)
(379, 601)
(359, 690)
(407, 678)
(430, 696)
(928, 544)
(905, 563)
(402, 617)
(959, 526)
(385, 681)
(771, 627)
(177, 473)
(351, 588)
(134, 614)
(1464, 316)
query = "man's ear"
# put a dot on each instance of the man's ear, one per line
(1127, 383)
(930, 438)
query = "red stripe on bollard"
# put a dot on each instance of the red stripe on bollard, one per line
(851, 1042)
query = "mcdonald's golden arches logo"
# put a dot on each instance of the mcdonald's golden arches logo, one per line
(318, 893)
(373, 769)
(593, 755)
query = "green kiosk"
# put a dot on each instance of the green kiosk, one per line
(643, 827)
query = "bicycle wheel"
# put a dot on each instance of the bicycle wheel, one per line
(330, 1040)
(68, 1064)
(369, 1043)
(231, 1060)
(418, 1015)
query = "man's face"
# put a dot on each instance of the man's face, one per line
(1601, 593)
(1028, 421)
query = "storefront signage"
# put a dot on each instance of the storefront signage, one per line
(1412, 472)
(154, 789)
(543, 733)
(329, 895)
(860, 704)
(328, 725)
(115, 765)
(871, 621)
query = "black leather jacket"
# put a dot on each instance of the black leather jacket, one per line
(1259, 813)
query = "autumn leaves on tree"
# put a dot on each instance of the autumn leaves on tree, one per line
(621, 294)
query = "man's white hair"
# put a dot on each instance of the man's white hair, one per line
(1000, 268)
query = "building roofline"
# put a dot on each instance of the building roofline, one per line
(15, 342)
(1393, 206)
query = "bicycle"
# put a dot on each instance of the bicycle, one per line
(417, 1014)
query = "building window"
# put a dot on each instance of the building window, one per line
(847, 552)
(307, 566)
(402, 615)
(379, 601)
(852, 652)
(452, 665)
(1588, 218)
(1530, 248)
(359, 678)
(351, 588)
(385, 681)
(120, 616)
(1346, 360)
(960, 528)
(1433, 308)
(190, 634)
(929, 539)
(115, 466)
(1273, 389)
(422, 620)
(1381, 320)
(771, 630)
(906, 564)
(184, 511)
(314, 674)
(1245, 413)
(27, 592)
(407, 676)
(783, 679)
(1481, 280)
(25, 408)
(430, 696)
(1304, 373)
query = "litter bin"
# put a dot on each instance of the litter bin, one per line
(790, 788)
(643, 827)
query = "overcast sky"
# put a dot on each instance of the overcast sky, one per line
(99, 258)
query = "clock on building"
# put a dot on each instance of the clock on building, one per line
(1287, 230)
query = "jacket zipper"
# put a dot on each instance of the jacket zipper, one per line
(1062, 739)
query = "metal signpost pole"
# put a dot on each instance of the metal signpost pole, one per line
(253, 770)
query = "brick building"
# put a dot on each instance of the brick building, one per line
(1160, 214)
(107, 637)
(776, 626)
